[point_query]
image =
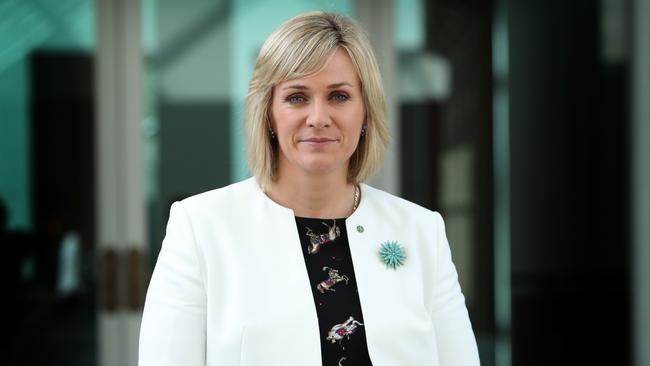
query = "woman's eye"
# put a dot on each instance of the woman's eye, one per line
(295, 99)
(339, 97)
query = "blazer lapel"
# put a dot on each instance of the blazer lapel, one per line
(287, 319)
(391, 298)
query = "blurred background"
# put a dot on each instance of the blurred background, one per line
(526, 123)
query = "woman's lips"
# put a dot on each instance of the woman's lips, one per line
(318, 141)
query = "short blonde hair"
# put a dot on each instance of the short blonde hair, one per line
(298, 48)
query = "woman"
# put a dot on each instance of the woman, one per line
(303, 264)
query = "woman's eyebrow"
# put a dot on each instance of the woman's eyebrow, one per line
(338, 85)
(304, 87)
(296, 86)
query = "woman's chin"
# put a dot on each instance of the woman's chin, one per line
(322, 167)
(314, 164)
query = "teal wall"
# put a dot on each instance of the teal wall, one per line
(14, 144)
(24, 27)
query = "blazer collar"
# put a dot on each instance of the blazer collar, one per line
(366, 196)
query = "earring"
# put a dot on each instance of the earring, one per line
(363, 129)
(271, 133)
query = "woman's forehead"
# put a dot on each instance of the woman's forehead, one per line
(337, 71)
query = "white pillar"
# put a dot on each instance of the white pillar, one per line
(120, 175)
(377, 18)
(640, 197)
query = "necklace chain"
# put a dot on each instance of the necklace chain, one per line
(357, 194)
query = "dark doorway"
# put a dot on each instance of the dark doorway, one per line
(56, 296)
(569, 141)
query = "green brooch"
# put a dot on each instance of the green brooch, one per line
(392, 254)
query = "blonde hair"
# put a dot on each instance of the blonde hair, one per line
(298, 48)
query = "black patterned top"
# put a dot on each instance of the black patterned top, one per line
(331, 274)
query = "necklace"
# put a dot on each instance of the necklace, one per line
(357, 194)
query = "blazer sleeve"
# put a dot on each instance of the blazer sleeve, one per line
(173, 330)
(455, 338)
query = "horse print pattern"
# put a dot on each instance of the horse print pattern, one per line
(326, 252)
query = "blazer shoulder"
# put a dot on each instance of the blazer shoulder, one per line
(399, 205)
(230, 196)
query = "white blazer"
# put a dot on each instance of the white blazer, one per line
(231, 288)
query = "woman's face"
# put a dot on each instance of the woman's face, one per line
(318, 119)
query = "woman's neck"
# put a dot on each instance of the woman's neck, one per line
(314, 196)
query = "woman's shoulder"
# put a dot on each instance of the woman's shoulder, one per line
(227, 197)
(390, 203)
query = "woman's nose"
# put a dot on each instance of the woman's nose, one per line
(318, 115)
